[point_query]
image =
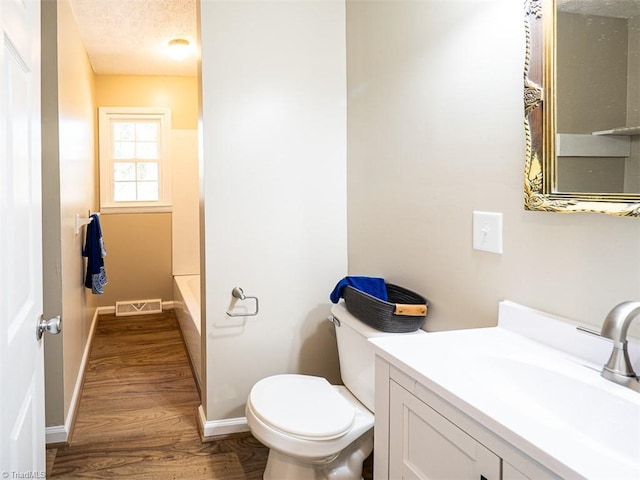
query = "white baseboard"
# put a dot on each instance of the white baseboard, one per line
(57, 434)
(213, 428)
(61, 433)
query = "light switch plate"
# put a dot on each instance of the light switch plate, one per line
(487, 231)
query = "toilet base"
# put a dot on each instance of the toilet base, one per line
(347, 465)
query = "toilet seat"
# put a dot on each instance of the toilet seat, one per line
(303, 406)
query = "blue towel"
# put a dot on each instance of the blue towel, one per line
(372, 285)
(94, 250)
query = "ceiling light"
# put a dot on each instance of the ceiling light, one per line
(178, 48)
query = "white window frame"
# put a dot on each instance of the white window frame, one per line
(105, 117)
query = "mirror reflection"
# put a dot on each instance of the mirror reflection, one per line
(582, 106)
(597, 96)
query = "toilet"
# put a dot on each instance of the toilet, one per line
(315, 430)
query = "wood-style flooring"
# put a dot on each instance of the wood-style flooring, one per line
(137, 414)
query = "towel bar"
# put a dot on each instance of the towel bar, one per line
(81, 222)
(239, 294)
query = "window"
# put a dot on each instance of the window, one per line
(134, 159)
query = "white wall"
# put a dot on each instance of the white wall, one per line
(435, 131)
(274, 190)
(185, 222)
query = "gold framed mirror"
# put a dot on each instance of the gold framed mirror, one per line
(582, 106)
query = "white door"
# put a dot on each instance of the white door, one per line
(22, 441)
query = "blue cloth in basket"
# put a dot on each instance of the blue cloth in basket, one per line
(374, 286)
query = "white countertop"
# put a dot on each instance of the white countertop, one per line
(550, 404)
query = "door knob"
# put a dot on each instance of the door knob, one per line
(53, 326)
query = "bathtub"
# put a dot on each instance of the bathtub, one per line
(186, 296)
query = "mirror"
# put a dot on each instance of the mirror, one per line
(582, 106)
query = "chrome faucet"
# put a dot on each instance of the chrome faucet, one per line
(619, 369)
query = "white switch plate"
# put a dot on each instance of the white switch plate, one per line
(487, 231)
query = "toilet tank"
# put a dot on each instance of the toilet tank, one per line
(357, 354)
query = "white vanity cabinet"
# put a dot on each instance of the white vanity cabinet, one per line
(418, 435)
(425, 445)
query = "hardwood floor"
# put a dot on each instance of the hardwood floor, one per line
(137, 414)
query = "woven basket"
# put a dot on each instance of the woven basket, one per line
(404, 312)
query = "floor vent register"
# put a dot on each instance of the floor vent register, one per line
(138, 307)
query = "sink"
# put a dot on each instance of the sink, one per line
(571, 396)
(535, 382)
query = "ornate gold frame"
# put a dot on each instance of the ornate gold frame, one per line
(539, 122)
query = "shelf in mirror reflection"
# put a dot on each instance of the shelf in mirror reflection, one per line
(587, 145)
(619, 131)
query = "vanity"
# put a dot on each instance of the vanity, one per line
(524, 399)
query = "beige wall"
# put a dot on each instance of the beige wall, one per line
(68, 189)
(138, 261)
(632, 172)
(435, 131)
(178, 93)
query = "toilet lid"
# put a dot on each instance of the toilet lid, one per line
(303, 406)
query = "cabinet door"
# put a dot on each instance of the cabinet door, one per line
(509, 472)
(425, 445)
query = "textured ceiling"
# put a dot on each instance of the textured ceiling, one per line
(129, 37)
(604, 8)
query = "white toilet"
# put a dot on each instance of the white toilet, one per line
(315, 430)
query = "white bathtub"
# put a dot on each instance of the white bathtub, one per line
(186, 296)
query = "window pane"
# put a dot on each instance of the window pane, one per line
(124, 131)
(148, 191)
(133, 155)
(147, 150)
(147, 171)
(124, 191)
(124, 171)
(124, 150)
(147, 131)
